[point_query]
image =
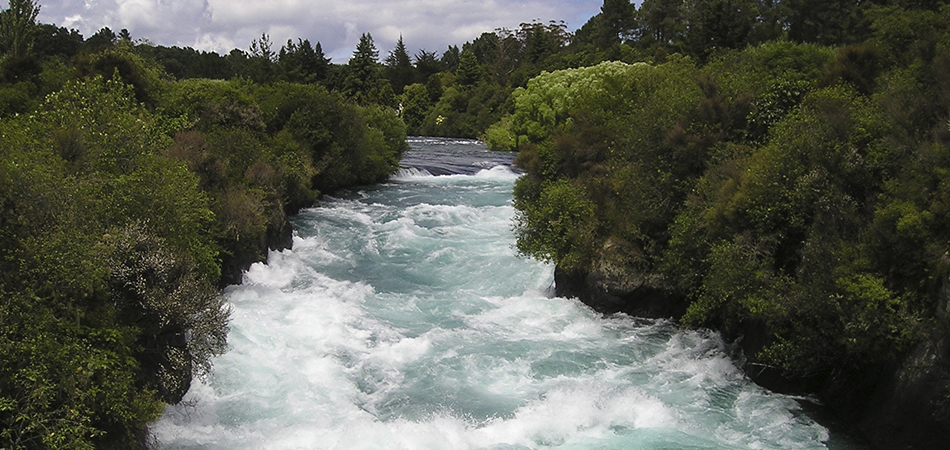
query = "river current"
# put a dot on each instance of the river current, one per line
(404, 319)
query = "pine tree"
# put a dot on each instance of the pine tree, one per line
(362, 82)
(302, 62)
(427, 64)
(450, 59)
(399, 68)
(262, 60)
(469, 73)
(619, 20)
(262, 48)
(321, 64)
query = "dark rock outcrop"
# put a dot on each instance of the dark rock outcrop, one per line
(609, 291)
(238, 259)
(910, 409)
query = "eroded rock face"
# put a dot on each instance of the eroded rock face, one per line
(279, 237)
(911, 410)
(610, 289)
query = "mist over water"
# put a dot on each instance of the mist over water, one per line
(403, 319)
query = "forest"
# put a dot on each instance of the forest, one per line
(776, 170)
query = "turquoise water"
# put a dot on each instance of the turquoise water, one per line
(403, 319)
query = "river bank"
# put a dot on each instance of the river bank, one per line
(897, 408)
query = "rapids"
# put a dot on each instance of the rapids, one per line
(404, 319)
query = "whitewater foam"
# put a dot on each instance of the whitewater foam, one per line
(404, 319)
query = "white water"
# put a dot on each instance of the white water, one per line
(403, 319)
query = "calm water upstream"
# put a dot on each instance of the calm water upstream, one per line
(403, 319)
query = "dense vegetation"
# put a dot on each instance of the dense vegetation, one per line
(793, 191)
(126, 199)
(780, 167)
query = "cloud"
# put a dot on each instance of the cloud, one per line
(221, 25)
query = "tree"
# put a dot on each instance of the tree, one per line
(321, 64)
(505, 55)
(469, 72)
(302, 62)
(486, 47)
(18, 28)
(363, 82)
(262, 59)
(589, 142)
(399, 68)
(57, 41)
(434, 88)
(720, 24)
(619, 21)
(143, 74)
(663, 21)
(262, 48)
(427, 64)
(365, 57)
(819, 21)
(415, 103)
(104, 38)
(541, 41)
(450, 58)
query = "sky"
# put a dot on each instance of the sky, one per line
(222, 25)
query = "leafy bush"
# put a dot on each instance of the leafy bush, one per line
(568, 124)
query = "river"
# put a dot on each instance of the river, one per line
(404, 319)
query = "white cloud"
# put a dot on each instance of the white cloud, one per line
(220, 25)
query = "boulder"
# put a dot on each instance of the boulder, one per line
(609, 289)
